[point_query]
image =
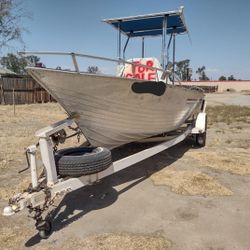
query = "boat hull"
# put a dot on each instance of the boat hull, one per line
(110, 112)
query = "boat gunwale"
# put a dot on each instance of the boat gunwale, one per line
(186, 87)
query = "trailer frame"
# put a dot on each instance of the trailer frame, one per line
(45, 189)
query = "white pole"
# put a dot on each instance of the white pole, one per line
(32, 154)
(46, 148)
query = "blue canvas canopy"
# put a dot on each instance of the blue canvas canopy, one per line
(151, 24)
(158, 24)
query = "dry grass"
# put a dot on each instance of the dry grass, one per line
(7, 192)
(245, 92)
(13, 238)
(17, 133)
(126, 241)
(190, 183)
(235, 162)
(228, 114)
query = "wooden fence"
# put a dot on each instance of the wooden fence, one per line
(22, 90)
(209, 89)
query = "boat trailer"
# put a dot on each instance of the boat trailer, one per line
(45, 189)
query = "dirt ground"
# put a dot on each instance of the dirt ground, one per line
(182, 198)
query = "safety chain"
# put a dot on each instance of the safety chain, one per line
(40, 210)
(78, 137)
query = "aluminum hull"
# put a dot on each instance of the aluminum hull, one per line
(110, 113)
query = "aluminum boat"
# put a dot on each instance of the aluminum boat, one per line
(140, 101)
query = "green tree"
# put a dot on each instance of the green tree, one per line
(17, 64)
(11, 15)
(182, 70)
(93, 69)
(202, 74)
(222, 78)
(231, 78)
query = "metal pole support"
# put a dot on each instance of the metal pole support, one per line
(73, 55)
(143, 48)
(32, 153)
(119, 41)
(164, 34)
(174, 35)
(46, 148)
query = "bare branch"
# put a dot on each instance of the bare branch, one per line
(11, 16)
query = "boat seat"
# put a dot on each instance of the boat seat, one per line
(140, 72)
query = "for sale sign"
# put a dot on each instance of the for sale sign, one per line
(141, 72)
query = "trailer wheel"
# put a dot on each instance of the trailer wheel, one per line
(46, 230)
(201, 139)
(80, 161)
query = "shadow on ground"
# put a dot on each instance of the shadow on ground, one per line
(103, 194)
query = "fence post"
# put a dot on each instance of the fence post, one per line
(14, 103)
(2, 91)
(2, 95)
(41, 95)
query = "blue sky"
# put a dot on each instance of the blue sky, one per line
(219, 30)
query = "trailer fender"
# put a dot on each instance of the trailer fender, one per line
(200, 124)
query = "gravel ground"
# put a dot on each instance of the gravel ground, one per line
(242, 99)
(182, 198)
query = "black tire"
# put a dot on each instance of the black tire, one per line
(201, 139)
(45, 230)
(80, 161)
